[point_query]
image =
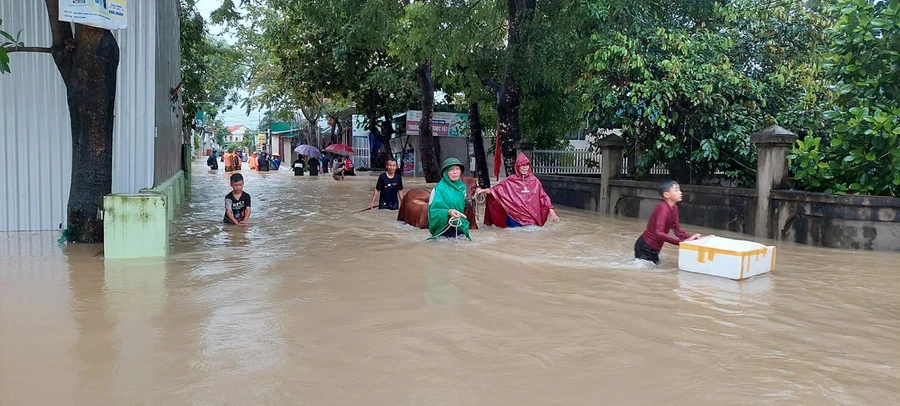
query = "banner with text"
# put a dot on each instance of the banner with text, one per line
(109, 14)
(442, 124)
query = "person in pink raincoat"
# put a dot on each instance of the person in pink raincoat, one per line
(519, 200)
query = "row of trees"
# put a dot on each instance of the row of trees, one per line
(511, 61)
(686, 80)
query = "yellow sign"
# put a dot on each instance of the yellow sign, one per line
(262, 138)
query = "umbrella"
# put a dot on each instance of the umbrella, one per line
(340, 149)
(308, 150)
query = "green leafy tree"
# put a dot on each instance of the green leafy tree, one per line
(689, 81)
(306, 52)
(212, 71)
(537, 70)
(862, 153)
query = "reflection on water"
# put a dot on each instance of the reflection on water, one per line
(316, 304)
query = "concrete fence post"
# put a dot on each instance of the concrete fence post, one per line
(611, 148)
(526, 148)
(772, 172)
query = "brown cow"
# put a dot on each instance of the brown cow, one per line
(414, 207)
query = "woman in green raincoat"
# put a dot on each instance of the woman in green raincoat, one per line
(448, 200)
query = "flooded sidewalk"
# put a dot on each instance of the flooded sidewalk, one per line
(315, 304)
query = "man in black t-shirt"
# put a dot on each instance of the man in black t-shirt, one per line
(389, 189)
(237, 203)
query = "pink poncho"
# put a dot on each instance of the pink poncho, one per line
(520, 197)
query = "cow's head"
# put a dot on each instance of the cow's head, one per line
(471, 186)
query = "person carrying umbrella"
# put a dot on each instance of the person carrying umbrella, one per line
(447, 203)
(299, 165)
(314, 166)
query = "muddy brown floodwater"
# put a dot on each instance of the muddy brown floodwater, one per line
(315, 305)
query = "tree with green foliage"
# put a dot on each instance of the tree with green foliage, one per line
(212, 71)
(861, 155)
(334, 49)
(444, 42)
(689, 81)
(535, 72)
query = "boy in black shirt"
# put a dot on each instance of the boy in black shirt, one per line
(237, 203)
(389, 189)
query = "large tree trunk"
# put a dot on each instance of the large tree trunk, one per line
(372, 103)
(426, 137)
(87, 63)
(387, 131)
(508, 101)
(509, 94)
(339, 125)
(477, 139)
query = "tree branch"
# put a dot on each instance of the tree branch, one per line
(490, 83)
(41, 50)
(63, 42)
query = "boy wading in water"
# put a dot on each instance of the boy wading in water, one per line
(389, 189)
(663, 219)
(237, 203)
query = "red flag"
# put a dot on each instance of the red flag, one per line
(498, 158)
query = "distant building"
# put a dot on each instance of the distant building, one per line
(236, 133)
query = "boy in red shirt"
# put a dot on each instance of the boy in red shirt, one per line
(663, 219)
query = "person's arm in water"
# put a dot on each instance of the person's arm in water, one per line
(545, 201)
(228, 212)
(246, 216)
(246, 212)
(374, 198)
(379, 185)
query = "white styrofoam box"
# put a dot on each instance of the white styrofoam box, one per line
(725, 257)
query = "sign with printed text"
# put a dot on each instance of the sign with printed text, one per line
(409, 161)
(442, 124)
(108, 14)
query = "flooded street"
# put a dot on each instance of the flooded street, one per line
(314, 304)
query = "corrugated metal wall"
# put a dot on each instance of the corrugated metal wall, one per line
(168, 75)
(133, 144)
(34, 128)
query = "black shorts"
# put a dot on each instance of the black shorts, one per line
(643, 251)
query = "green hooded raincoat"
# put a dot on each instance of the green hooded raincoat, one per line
(445, 196)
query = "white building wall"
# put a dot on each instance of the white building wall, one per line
(34, 128)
